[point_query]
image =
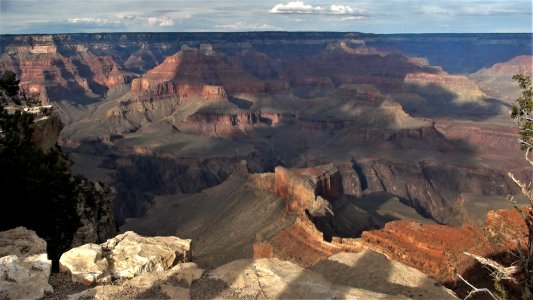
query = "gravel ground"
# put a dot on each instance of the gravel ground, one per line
(209, 288)
(63, 286)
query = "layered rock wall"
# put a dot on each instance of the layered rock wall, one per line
(438, 250)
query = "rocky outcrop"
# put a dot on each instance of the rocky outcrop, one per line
(463, 88)
(205, 71)
(422, 138)
(95, 210)
(277, 279)
(46, 131)
(21, 242)
(438, 250)
(373, 271)
(24, 265)
(493, 138)
(173, 283)
(298, 192)
(117, 77)
(223, 124)
(214, 93)
(124, 256)
(303, 244)
(497, 81)
(343, 276)
(431, 187)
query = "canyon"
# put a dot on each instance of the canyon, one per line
(292, 146)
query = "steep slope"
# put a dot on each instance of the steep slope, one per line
(497, 80)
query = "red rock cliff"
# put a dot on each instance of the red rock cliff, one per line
(438, 250)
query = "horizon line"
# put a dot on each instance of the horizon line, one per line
(266, 31)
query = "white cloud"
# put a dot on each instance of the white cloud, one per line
(123, 20)
(94, 20)
(163, 22)
(468, 10)
(294, 7)
(346, 10)
(246, 26)
(299, 7)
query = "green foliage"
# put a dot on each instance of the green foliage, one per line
(501, 291)
(9, 83)
(522, 114)
(38, 190)
(522, 111)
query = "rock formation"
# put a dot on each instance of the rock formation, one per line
(438, 250)
(124, 256)
(497, 81)
(341, 276)
(344, 276)
(173, 283)
(24, 265)
(356, 131)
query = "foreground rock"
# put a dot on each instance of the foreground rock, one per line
(24, 265)
(365, 275)
(172, 283)
(372, 271)
(125, 256)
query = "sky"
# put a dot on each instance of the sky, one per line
(372, 16)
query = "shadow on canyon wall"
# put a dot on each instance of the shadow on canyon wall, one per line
(438, 102)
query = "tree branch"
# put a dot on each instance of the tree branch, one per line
(500, 272)
(475, 290)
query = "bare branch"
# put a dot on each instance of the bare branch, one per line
(527, 156)
(526, 190)
(500, 272)
(475, 290)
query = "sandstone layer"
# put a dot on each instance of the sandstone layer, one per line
(438, 250)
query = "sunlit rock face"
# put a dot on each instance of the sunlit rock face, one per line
(125, 256)
(438, 250)
(334, 277)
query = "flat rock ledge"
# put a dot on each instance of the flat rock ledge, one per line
(125, 256)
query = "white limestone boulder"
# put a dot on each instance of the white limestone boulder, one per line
(24, 265)
(124, 256)
(86, 264)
